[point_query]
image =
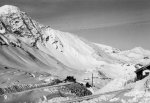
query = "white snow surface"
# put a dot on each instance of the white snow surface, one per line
(63, 53)
(7, 9)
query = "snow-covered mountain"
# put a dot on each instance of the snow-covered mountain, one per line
(26, 44)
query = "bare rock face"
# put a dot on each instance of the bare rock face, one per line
(16, 26)
(15, 22)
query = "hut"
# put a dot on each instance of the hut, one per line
(143, 72)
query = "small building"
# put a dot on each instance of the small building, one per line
(143, 72)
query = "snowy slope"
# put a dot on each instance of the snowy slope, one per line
(28, 45)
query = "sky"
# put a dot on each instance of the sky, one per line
(122, 24)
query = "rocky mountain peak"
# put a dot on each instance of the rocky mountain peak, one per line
(8, 9)
(16, 26)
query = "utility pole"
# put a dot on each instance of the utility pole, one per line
(92, 79)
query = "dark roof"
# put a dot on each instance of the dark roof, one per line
(143, 68)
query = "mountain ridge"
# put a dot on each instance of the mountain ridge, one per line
(28, 45)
